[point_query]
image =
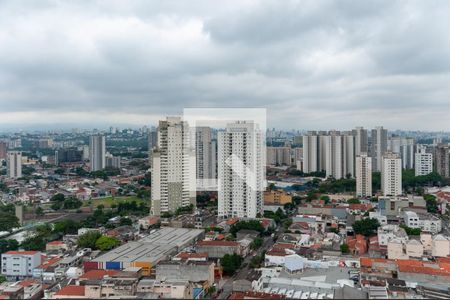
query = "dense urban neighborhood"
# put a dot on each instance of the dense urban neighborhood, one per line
(339, 215)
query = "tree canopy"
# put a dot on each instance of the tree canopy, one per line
(367, 226)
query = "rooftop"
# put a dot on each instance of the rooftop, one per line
(71, 290)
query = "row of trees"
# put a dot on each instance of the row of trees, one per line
(97, 241)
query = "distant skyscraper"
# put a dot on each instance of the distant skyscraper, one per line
(442, 160)
(112, 161)
(152, 143)
(97, 152)
(241, 175)
(279, 156)
(423, 161)
(205, 151)
(378, 147)
(14, 164)
(405, 147)
(391, 174)
(361, 140)
(363, 175)
(332, 152)
(3, 150)
(173, 174)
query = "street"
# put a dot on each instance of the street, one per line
(243, 273)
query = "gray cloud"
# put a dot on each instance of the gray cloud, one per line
(312, 64)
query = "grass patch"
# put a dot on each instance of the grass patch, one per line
(108, 201)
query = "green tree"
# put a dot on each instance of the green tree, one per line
(366, 226)
(105, 243)
(66, 227)
(58, 197)
(411, 231)
(125, 221)
(431, 202)
(353, 201)
(88, 239)
(231, 263)
(325, 198)
(8, 221)
(257, 243)
(39, 211)
(345, 248)
(35, 243)
(8, 245)
(250, 224)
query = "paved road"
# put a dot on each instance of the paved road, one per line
(243, 273)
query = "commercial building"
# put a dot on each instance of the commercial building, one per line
(391, 174)
(14, 164)
(392, 206)
(173, 175)
(97, 152)
(20, 264)
(423, 161)
(193, 271)
(217, 249)
(363, 175)
(378, 147)
(441, 159)
(241, 171)
(147, 252)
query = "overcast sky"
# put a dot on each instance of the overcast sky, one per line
(312, 64)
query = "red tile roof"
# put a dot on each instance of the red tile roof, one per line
(22, 252)
(71, 290)
(254, 295)
(55, 243)
(49, 262)
(98, 274)
(218, 243)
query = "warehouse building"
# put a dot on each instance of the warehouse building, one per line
(147, 252)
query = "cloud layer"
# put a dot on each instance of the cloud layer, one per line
(312, 64)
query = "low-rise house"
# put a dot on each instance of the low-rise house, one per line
(440, 246)
(425, 222)
(56, 246)
(70, 292)
(147, 222)
(388, 232)
(111, 287)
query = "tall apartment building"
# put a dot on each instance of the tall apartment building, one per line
(332, 152)
(279, 156)
(14, 164)
(206, 157)
(363, 175)
(112, 161)
(3, 150)
(297, 154)
(441, 159)
(361, 140)
(311, 153)
(152, 140)
(405, 147)
(241, 171)
(423, 161)
(391, 174)
(173, 175)
(378, 147)
(97, 152)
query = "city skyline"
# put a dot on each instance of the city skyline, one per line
(311, 64)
